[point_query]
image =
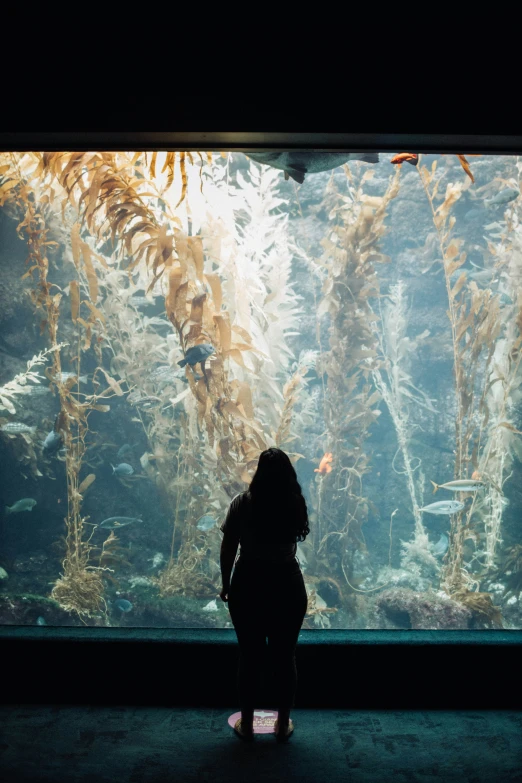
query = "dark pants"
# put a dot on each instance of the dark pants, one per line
(267, 602)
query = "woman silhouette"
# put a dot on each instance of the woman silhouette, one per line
(267, 596)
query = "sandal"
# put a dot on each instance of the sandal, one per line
(289, 731)
(248, 736)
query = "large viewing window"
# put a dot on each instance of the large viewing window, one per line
(361, 311)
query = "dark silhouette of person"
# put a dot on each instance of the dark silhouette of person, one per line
(267, 596)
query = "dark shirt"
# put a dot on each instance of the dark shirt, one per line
(258, 543)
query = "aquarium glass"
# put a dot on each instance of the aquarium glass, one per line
(361, 312)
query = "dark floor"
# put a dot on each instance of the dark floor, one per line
(120, 744)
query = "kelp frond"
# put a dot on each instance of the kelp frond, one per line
(402, 397)
(351, 251)
(21, 382)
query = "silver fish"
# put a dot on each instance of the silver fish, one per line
(441, 547)
(64, 376)
(14, 427)
(141, 301)
(503, 197)
(157, 321)
(161, 372)
(473, 214)
(461, 485)
(114, 522)
(135, 400)
(36, 391)
(206, 522)
(52, 443)
(25, 504)
(123, 469)
(123, 450)
(480, 274)
(443, 507)
(123, 605)
(41, 621)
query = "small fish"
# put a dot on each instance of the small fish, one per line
(142, 401)
(123, 450)
(157, 560)
(432, 443)
(15, 427)
(211, 606)
(441, 547)
(41, 621)
(444, 507)
(196, 354)
(25, 504)
(476, 475)
(481, 275)
(133, 397)
(503, 197)
(123, 469)
(465, 165)
(405, 157)
(114, 522)
(473, 214)
(123, 605)
(324, 465)
(36, 391)
(298, 163)
(206, 522)
(142, 301)
(64, 376)
(161, 372)
(462, 485)
(52, 443)
(156, 321)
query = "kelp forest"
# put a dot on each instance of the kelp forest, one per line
(167, 316)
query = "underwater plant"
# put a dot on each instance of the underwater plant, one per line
(223, 368)
(80, 588)
(510, 570)
(475, 323)
(351, 249)
(502, 438)
(293, 395)
(21, 382)
(395, 385)
(229, 309)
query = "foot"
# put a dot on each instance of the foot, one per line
(244, 731)
(283, 731)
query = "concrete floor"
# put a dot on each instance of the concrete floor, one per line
(142, 744)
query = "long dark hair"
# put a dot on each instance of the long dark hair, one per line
(277, 500)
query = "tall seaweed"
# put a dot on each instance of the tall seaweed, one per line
(80, 588)
(392, 378)
(351, 250)
(475, 322)
(223, 270)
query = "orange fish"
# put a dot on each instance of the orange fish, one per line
(465, 165)
(476, 475)
(324, 465)
(406, 157)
